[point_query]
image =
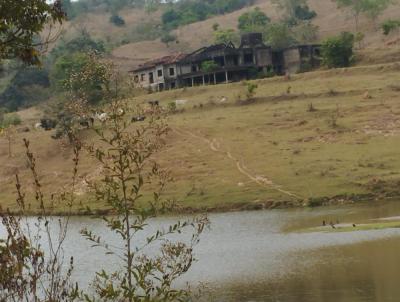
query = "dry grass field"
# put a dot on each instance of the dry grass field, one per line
(226, 153)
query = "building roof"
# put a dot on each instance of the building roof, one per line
(170, 59)
(199, 53)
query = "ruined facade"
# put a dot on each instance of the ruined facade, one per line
(224, 63)
(158, 74)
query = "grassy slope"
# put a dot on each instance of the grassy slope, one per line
(224, 155)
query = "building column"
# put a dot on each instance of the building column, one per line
(226, 77)
(215, 79)
(204, 80)
(192, 82)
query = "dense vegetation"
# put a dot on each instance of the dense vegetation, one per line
(390, 25)
(338, 51)
(189, 11)
(31, 85)
(20, 25)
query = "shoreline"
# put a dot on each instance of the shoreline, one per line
(236, 207)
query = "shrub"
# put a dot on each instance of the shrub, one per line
(315, 202)
(251, 90)
(117, 20)
(168, 38)
(338, 51)
(171, 106)
(208, 66)
(11, 119)
(389, 25)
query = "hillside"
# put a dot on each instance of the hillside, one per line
(329, 19)
(270, 152)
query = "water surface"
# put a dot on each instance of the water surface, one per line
(261, 256)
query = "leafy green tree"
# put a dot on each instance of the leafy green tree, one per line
(253, 21)
(71, 56)
(82, 43)
(21, 23)
(186, 12)
(226, 36)
(279, 36)
(91, 81)
(338, 51)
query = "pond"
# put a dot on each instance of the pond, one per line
(264, 255)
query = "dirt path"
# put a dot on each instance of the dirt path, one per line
(215, 146)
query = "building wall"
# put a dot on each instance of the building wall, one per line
(292, 60)
(142, 78)
(263, 57)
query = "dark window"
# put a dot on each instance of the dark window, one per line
(136, 78)
(220, 61)
(172, 71)
(194, 68)
(151, 78)
(173, 85)
(248, 58)
(142, 77)
(159, 73)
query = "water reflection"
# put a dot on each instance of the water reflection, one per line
(257, 256)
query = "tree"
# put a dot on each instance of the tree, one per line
(374, 8)
(306, 32)
(92, 81)
(295, 10)
(132, 185)
(371, 8)
(279, 36)
(338, 51)
(253, 21)
(226, 36)
(21, 23)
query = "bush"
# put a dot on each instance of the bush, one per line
(11, 119)
(389, 25)
(168, 38)
(171, 106)
(338, 51)
(251, 90)
(117, 20)
(208, 66)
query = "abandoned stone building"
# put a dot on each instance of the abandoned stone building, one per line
(158, 74)
(224, 63)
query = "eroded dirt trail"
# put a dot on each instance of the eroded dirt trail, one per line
(215, 146)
